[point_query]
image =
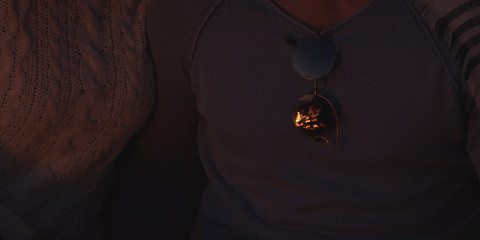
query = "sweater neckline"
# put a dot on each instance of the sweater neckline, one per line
(292, 19)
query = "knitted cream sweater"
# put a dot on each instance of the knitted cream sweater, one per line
(75, 85)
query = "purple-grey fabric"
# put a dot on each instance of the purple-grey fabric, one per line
(408, 127)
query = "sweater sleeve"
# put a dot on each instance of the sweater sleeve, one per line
(455, 25)
(473, 137)
(163, 179)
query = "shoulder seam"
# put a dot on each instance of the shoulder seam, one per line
(201, 28)
(456, 23)
(438, 52)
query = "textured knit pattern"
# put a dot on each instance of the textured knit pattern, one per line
(457, 23)
(75, 85)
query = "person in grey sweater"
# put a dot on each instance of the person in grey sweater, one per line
(312, 120)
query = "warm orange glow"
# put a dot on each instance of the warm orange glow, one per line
(310, 119)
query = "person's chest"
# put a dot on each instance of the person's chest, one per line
(394, 96)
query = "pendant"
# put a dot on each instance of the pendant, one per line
(314, 115)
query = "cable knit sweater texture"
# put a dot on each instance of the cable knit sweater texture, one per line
(75, 85)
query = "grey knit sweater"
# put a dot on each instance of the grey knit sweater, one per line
(75, 86)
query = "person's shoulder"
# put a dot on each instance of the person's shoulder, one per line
(185, 15)
(446, 15)
(173, 26)
(452, 21)
(456, 23)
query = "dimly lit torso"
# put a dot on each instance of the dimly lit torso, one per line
(400, 170)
